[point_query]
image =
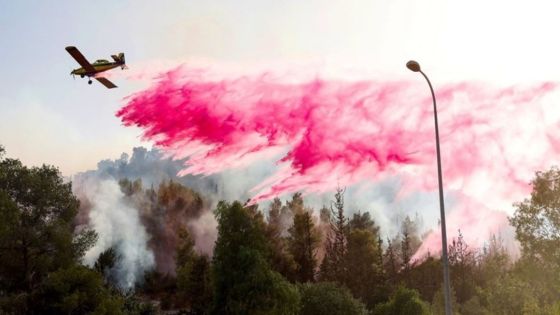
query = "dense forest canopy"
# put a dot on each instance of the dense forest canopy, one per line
(286, 259)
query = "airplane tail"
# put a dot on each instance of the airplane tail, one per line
(120, 59)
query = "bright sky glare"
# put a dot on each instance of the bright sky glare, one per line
(46, 116)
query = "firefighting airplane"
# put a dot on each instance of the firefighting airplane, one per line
(92, 69)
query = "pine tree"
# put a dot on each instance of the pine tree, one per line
(462, 262)
(391, 263)
(195, 284)
(333, 266)
(379, 252)
(406, 253)
(303, 242)
(40, 251)
(242, 279)
(296, 204)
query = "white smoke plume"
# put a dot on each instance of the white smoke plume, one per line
(117, 225)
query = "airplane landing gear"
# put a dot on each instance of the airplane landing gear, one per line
(89, 82)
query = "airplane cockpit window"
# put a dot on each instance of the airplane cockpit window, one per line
(100, 61)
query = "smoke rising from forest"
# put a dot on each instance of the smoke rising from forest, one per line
(144, 191)
(118, 225)
(328, 133)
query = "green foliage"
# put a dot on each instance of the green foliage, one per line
(40, 255)
(159, 286)
(333, 267)
(37, 209)
(242, 278)
(185, 249)
(438, 302)
(134, 306)
(537, 220)
(193, 276)
(76, 290)
(553, 309)
(329, 298)
(426, 277)
(364, 277)
(462, 265)
(303, 242)
(537, 227)
(196, 285)
(106, 261)
(363, 221)
(390, 263)
(493, 262)
(473, 307)
(510, 295)
(403, 302)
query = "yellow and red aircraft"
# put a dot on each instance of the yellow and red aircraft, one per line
(92, 69)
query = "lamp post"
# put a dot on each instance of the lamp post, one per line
(415, 67)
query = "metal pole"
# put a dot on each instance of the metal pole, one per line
(447, 287)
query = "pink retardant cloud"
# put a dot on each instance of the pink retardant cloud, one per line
(337, 133)
(476, 222)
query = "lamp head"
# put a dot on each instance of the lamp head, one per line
(413, 66)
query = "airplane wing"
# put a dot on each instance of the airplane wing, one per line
(76, 54)
(106, 82)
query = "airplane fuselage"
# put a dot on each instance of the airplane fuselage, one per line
(100, 67)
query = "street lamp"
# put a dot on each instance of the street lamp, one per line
(415, 67)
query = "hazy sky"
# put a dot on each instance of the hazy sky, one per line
(46, 116)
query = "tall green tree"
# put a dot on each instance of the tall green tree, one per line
(333, 267)
(37, 209)
(243, 280)
(364, 277)
(303, 242)
(409, 241)
(391, 263)
(462, 262)
(537, 220)
(193, 275)
(195, 285)
(406, 253)
(537, 228)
